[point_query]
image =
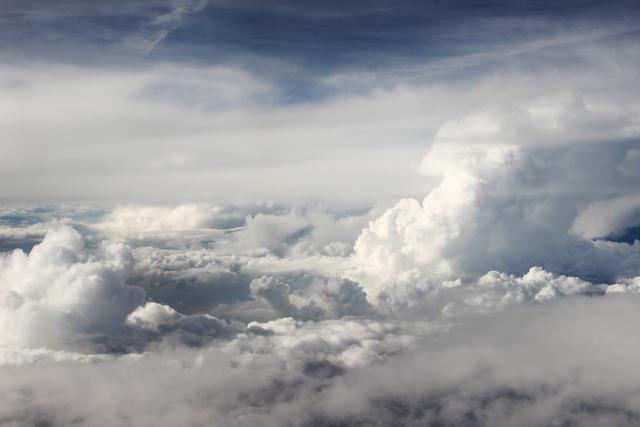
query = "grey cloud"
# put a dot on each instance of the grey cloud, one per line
(608, 218)
(360, 373)
(276, 293)
(322, 298)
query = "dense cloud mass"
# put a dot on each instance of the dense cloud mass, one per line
(545, 370)
(58, 292)
(506, 208)
(494, 301)
(507, 296)
(219, 213)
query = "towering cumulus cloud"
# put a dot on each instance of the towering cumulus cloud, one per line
(517, 190)
(303, 213)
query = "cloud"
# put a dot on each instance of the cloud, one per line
(172, 132)
(506, 294)
(153, 315)
(155, 219)
(275, 292)
(300, 231)
(164, 24)
(153, 321)
(321, 299)
(509, 199)
(608, 218)
(250, 363)
(259, 337)
(358, 372)
(64, 295)
(59, 293)
(563, 117)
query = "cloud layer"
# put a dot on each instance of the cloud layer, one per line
(506, 296)
(239, 214)
(358, 372)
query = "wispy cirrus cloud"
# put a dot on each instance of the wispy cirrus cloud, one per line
(162, 25)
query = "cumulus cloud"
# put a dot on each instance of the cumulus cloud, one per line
(330, 298)
(257, 229)
(299, 232)
(247, 336)
(504, 207)
(275, 292)
(66, 296)
(156, 219)
(59, 293)
(182, 225)
(153, 315)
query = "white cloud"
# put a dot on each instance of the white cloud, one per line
(608, 218)
(143, 221)
(59, 293)
(162, 25)
(563, 117)
(507, 201)
(152, 315)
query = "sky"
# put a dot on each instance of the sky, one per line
(339, 213)
(126, 101)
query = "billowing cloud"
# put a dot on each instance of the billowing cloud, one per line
(286, 226)
(332, 298)
(65, 295)
(59, 293)
(507, 202)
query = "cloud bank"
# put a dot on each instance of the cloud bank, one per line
(233, 225)
(356, 373)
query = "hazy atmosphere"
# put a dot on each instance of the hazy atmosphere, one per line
(339, 213)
